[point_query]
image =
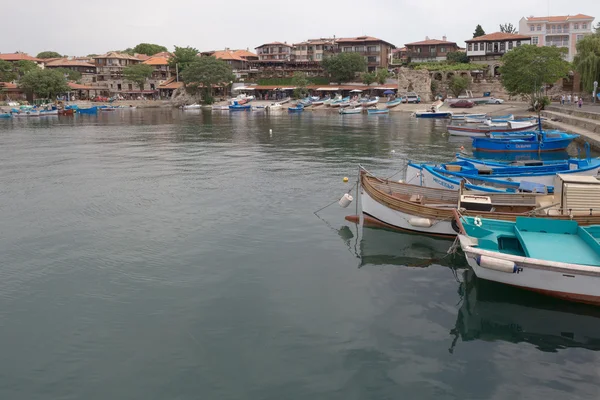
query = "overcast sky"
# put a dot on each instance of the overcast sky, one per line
(77, 27)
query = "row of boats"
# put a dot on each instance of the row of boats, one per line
(26, 111)
(531, 224)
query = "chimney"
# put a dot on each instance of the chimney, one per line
(426, 37)
(444, 38)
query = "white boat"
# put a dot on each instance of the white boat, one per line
(192, 107)
(356, 110)
(370, 102)
(220, 108)
(45, 113)
(275, 107)
(318, 103)
(258, 108)
(464, 117)
(26, 113)
(552, 257)
(343, 104)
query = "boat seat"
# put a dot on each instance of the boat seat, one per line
(484, 170)
(416, 198)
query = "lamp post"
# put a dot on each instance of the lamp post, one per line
(595, 90)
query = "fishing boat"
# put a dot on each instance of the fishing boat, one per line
(220, 108)
(542, 141)
(483, 131)
(433, 114)
(296, 108)
(476, 119)
(88, 111)
(317, 102)
(72, 107)
(258, 108)
(194, 106)
(67, 112)
(510, 123)
(274, 107)
(26, 113)
(393, 103)
(5, 115)
(236, 106)
(462, 117)
(107, 108)
(377, 111)
(405, 206)
(356, 110)
(369, 102)
(48, 113)
(284, 101)
(554, 257)
(524, 162)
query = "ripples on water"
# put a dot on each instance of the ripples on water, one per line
(155, 254)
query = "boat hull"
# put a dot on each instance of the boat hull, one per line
(484, 131)
(499, 145)
(426, 114)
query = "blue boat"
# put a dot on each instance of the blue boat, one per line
(375, 111)
(525, 161)
(239, 107)
(296, 108)
(433, 114)
(5, 115)
(71, 107)
(393, 103)
(89, 111)
(540, 141)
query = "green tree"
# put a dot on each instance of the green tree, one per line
(478, 31)
(182, 57)
(598, 28)
(382, 75)
(205, 72)
(24, 66)
(92, 55)
(46, 83)
(458, 84)
(368, 78)
(587, 61)
(300, 82)
(128, 50)
(70, 74)
(138, 74)
(508, 28)
(527, 69)
(7, 72)
(343, 67)
(49, 54)
(149, 49)
(457, 57)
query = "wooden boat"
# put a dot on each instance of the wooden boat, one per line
(5, 115)
(239, 107)
(47, 113)
(555, 257)
(376, 111)
(482, 131)
(88, 111)
(545, 141)
(65, 112)
(356, 110)
(393, 103)
(370, 102)
(429, 210)
(463, 117)
(296, 108)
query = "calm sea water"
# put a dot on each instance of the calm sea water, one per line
(156, 254)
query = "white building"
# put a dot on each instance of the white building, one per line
(489, 49)
(560, 31)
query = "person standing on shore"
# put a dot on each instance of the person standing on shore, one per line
(575, 99)
(580, 102)
(569, 99)
(562, 99)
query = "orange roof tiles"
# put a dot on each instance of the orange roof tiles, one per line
(227, 55)
(559, 18)
(497, 36)
(114, 54)
(77, 86)
(142, 57)
(64, 62)
(154, 60)
(18, 57)
(431, 42)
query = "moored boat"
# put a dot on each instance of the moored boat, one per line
(296, 108)
(5, 115)
(482, 131)
(375, 111)
(393, 103)
(462, 117)
(554, 257)
(192, 107)
(236, 106)
(542, 141)
(356, 110)
(433, 114)
(47, 113)
(88, 111)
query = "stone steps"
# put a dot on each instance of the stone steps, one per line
(584, 122)
(576, 112)
(588, 128)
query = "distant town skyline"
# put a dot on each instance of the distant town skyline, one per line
(78, 28)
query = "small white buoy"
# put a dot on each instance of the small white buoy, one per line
(345, 200)
(400, 181)
(393, 151)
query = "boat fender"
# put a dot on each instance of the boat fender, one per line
(455, 226)
(497, 264)
(420, 222)
(345, 200)
(477, 221)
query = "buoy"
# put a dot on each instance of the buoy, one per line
(393, 151)
(497, 264)
(270, 131)
(462, 148)
(400, 181)
(420, 222)
(345, 179)
(345, 200)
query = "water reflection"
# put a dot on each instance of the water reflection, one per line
(495, 312)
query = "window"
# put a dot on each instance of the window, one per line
(372, 59)
(319, 47)
(559, 28)
(566, 27)
(130, 86)
(575, 26)
(372, 49)
(442, 50)
(534, 40)
(510, 45)
(579, 37)
(502, 46)
(531, 28)
(359, 48)
(347, 49)
(432, 49)
(518, 43)
(583, 26)
(470, 48)
(118, 86)
(418, 50)
(539, 27)
(319, 56)
(152, 86)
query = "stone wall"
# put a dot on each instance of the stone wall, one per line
(418, 81)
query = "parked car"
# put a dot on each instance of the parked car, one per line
(462, 104)
(493, 100)
(411, 98)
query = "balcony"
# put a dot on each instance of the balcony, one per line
(557, 32)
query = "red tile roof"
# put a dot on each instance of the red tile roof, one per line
(273, 44)
(430, 42)
(560, 18)
(18, 57)
(227, 55)
(170, 84)
(64, 62)
(154, 60)
(142, 57)
(8, 85)
(497, 36)
(77, 86)
(114, 54)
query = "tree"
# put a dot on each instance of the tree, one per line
(46, 83)
(149, 49)
(7, 72)
(598, 28)
(382, 75)
(368, 78)
(24, 66)
(92, 55)
(182, 57)
(300, 82)
(138, 73)
(49, 54)
(458, 84)
(478, 31)
(70, 74)
(343, 67)
(457, 57)
(205, 72)
(528, 68)
(587, 61)
(508, 28)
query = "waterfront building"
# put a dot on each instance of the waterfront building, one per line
(240, 60)
(18, 56)
(376, 51)
(313, 49)
(274, 52)
(560, 31)
(430, 50)
(399, 56)
(162, 71)
(488, 50)
(86, 69)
